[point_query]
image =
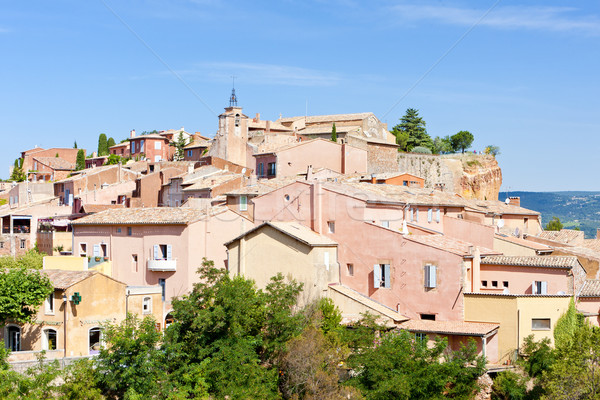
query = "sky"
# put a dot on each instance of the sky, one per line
(519, 75)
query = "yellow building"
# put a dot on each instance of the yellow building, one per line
(69, 323)
(518, 315)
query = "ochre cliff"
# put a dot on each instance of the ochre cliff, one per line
(472, 176)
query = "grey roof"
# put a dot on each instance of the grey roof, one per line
(533, 261)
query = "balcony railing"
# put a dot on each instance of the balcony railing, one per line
(162, 265)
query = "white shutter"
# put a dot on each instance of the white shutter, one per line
(410, 214)
(326, 260)
(417, 217)
(169, 252)
(156, 252)
(433, 276)
(437, 215)
(376, 275)
(96, 250)
(533, 288)
(387, 279)
(544, 288)
(429, 215)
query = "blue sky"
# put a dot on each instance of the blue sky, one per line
(519, 75)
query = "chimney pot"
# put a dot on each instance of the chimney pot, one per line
(132, 133)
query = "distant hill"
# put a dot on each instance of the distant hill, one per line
(574, 209)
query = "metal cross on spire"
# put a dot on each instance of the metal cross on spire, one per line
(233, 98)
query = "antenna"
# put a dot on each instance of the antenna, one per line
(233, 98)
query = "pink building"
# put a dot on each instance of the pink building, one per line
(293, 159)
(164, 246)
(152, 147)
(121, 149)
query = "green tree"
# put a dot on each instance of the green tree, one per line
(17, 174)
(442, 145)
(110, 143)
(179, 145)
(75, 145)
(80, 161)
(334, 133)
(411, 131)
(567, 325)
(462, 140)
(113, 159)
(23, 291)
(102, 145)
(492, 150)
(554, 224)
(509, 385)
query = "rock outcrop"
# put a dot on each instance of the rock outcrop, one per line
(473, 176)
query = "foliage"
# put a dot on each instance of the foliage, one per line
(75, 145)
(334, 133)
(567, 324)
(131, 362)
(509, 385)
(400, 367)
(331, 317)
(152, 132)
(492, 150)
(411, 132)
(421, 150)
(110, 142)
(33, 259)
(114, 159)
(80, 381)
(537, 356)
(102, 145)
(38, 382)
(575, 372)
(17, 174)
(23, 291)
(462, 140)
(80, 161)
(554, 224)
(179, 145)
(442, 145)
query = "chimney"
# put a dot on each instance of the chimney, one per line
(190, 168)
(132, 133)
(597, 233)
(268, 128)
(515, 201)
(257, 118)
(309, 173)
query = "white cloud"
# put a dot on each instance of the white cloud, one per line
(557, 19)
(264, 74)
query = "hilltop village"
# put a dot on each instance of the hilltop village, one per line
(266, 197)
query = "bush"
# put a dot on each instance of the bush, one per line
(509, 386)
(421, 150)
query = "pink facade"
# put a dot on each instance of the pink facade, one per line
(519, 280)
(152, 147)
(469, 231)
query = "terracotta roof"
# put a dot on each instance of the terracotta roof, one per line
(147, 216)
(326, 129)
(55, 163)
(525, 243)
(449, 244)
(295, 230)
(96, 208)
(150, 136)
(263, 186)
(497, 207)
(210, 182)
(450, 327)
(274, 126)
(199, 143)
(62, 279)
(407, 195)
(124, 144)
(330, 117)
(386, 175)
(533, 261)
(367, 302)
(580, 251)
(590, 288)
(592, 244)
(566, 236)
(515, 295)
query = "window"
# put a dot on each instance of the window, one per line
(129, 231)
(237, 119)
(163, 252)
(385, 224)
(421, 337)
(83, 249)
(271, 170)
(494, 284)
(103, 250)
(118, 230)
(134, 262)
(539, 287)
(49, 339)
(428, 317)
(163, 284)
(430, 276)
(404, 183)
(141, 146)
(147, 305)
(14, 338)
(243, 203)
(381, 276)
(261, 169)
(484, 283)
(505, 284)
(157, 145)
(1, 245)
(350, 269)
(540, 324)
(429, 215)
(23, 243)
(49, 304)
(95, 337)
(190, 153)
(331, 226)
(410, 215)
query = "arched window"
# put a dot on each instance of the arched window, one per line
(95, 336)
(13, 333)
(49, 339)
(168, 320)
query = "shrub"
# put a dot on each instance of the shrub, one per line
(421, 150)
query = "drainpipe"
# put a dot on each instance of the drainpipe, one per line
(483, 346)
(126, 303)
(65, 302)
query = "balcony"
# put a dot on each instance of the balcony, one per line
(162, 265)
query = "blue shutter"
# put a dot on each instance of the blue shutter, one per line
(96, 250)
(387, 275)
(429, 215)
(376, 276)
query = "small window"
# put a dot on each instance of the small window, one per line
(421, 337)
(540, 324)
(539, 287)
(350, 269)
(119, 230)
(1, 245)
(49, 339)
(271, 170)
(162, 252)
(49, 304)
(163, 284)
(129, 231)
(243, 203)
(331, 227)
(23, 243)
(484, 283)
(147, 305)
(430, 276)
(428, 317)
(385, 224)
(382, 276)
(505, 284)
(190, 153)
(82, 249)
(134, 262)
(157, 145)
(494, 284)
(411, 215)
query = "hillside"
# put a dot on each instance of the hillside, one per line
(575, 209)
